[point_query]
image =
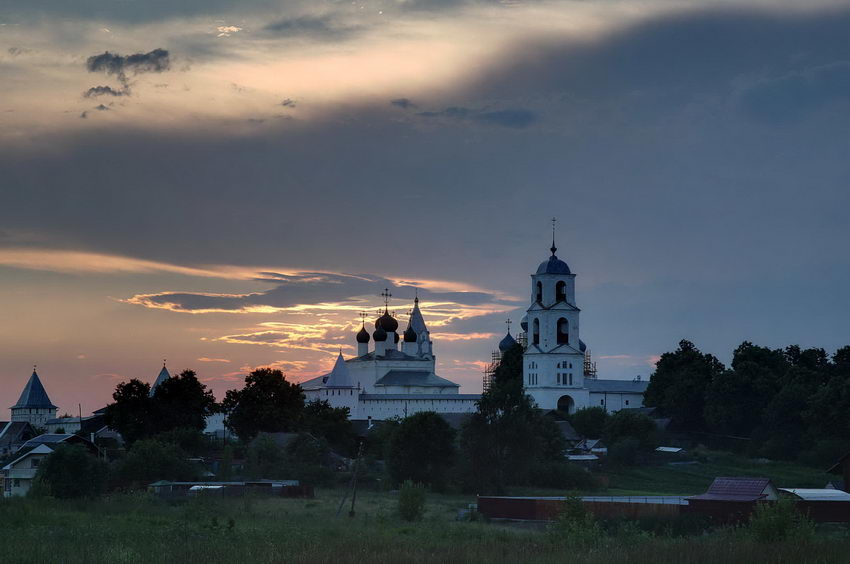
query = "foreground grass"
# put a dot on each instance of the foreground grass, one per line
(142, 529)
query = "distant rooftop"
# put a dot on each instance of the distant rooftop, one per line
(34, 396)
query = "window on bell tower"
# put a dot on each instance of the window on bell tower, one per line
(560, 292)
(563, 331)
(536, 332)
(539, 293)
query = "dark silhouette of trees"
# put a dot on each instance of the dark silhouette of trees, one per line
(331, 424)
(71, 472)
(422, 450)
(589, 422)
(268, 402)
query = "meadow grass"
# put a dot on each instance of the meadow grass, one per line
(140, 528)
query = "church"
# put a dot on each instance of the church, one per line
(396, 376)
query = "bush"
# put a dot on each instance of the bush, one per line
(422, 450)
(589, 422)
(627, 424)
(575, 526)
(778, 521)
(623, 452)
(150, 460)
(70, 472)
(411, 501)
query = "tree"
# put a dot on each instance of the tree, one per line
(132, 413)
(507, 436)
(589, 422)
(265, 458)
(150, 460)
(329, 423)
(71, 472)
(628, 424)
(267, 403)
(678, 385)
(182, 402)
(422, 450)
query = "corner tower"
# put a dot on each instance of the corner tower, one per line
(34, 406)
(553, 363)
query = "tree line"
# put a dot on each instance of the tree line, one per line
(790, 403)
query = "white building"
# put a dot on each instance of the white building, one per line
(19, 474)
(554, 369)
(396, 378)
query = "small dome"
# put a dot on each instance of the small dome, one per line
(363, 335)
(387, 322)
(524, 323)
(553, 266)
(379, 335)
(410, 335)
(507, 343)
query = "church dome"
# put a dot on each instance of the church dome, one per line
(553, 266)
(363, 335)
(507, 343)
(379, 335)
(410, 335)
(387, 322)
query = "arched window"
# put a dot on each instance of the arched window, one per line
(536, 334)
(539, 297)
(563, 331)
(560, 292)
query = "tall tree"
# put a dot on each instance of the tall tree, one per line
(678, 385)
(422, 450)
(507, 436)
(331, 424)
(589, 422)
(268, 402)
(71, 471)
(183, 401)
(132, 414)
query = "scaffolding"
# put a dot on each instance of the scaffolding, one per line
(589, 366)
(490, 369)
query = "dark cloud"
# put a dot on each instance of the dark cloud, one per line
(511, 118)
(120, 66)
(95, 91)
(790, 97)
(15, 51)
(403, 103)
(311, 288)
(101, 108)
(326, 28)
(288, 103)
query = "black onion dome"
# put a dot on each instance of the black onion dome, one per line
(409, 335)
(363, 335)
(379, 335)
(507, 343)
(387, 322)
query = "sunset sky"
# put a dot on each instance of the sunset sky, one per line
(228, 184)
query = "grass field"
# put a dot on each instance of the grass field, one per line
(140, 528)
(143, 529)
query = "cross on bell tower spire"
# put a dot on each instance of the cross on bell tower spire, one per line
(386, 295)
(554, 248)
(508, 323)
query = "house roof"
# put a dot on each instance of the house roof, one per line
(736, 489)
(57, 438)
(615, 386)
(418, 397)
(34, 396)
(567, 431)
(40, 449)
(389, 354)
(422, 378)
(837, 468)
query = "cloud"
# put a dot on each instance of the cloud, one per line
(791, 96)
(288, 103)
(310, 289)
(514, 118)
(207, 359)
(120, 66)
(227, 30)
(403, 103)
(101, 108)
(102, 91)
(325, 28)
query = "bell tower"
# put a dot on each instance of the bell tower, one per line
(553, 363)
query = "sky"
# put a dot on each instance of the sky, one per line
(227, 185)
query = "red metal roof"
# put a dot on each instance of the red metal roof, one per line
(736, 489)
